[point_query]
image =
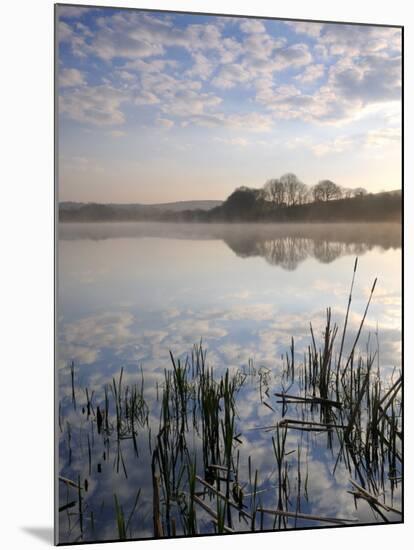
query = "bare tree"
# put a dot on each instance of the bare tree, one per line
(326, 190)
(302, 193)
(347, 192)
(292, 186)
(276, 191)
(359, 192)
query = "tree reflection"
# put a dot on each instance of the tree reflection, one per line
(284, 245)
(289, 250)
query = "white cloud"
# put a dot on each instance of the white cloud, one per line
(231, 75)
(263, 57)
(337, 145)
(261, 47)
(150, 66)
(97, 105)
(238, 141)
(354, 40)
(306, 27)
(383, 137)
(137, 35)
(65, 32)
(368, 79)
(73, 11)
(352, 85)
(379, 138)
(165, 123)
(252, 26)
(202, 67)
(351, 77)
(145, 98)
(84, 339)
(311, 73)
(185, 103)
(365, 70)
(177, 97)
(252, 122)
(71, 77)
(108, 45)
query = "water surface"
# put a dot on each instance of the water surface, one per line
(129, 293)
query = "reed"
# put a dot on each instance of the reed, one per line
(198, 467)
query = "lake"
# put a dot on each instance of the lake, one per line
(131, 293)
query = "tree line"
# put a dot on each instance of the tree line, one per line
(288, 190)
(281, 199)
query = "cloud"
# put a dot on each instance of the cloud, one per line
(238, 141)
(351, 67)
(305, 27)
(353, 40)
(184, 103)
(337, 145)
(108, 46)
(251, 312)
(71, 77)
(383, 137)
(135, 35)
(150, 66)
(202, 66)
(165, 123)
(81, 164)
(252, 122)
(145, 98)
(378, 138)
(65, 32)
(231, 75)
(295, 55)
(369, 79)
(311, 73)
(286, 101)
(84, 339)
(252, 26)
(365, 69)
(73, 11)
(352, 85)
(177, 97)
(97, 105)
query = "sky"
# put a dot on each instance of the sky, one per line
(160, 107)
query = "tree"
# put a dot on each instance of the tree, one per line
(326, 190)
(347, 192)
(292, 185)
(275, 190)
(302, 193)
(359, 192)
(242, 203)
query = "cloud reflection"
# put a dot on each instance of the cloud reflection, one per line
(155, 292)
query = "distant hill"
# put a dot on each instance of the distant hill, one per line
(243, 205)
(70, 206)
(187, 205)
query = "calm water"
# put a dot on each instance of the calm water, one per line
(128, 294)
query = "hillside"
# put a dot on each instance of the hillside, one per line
(87, 212)
(247, 205)
(243, 205)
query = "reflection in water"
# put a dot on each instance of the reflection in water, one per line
(129, 293)
(283, 245)
(220, 453)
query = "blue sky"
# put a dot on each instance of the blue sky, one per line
(157, 107)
